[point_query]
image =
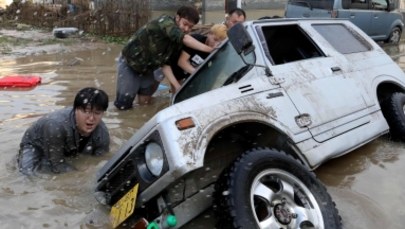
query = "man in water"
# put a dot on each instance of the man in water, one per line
(66, 132)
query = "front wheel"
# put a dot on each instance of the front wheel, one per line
(265, 188)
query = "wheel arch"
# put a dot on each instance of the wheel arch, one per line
(397, 24)
(226, 142)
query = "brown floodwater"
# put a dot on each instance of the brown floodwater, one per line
(367, 184)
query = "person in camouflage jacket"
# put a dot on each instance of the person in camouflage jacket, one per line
(64, 133)
(149, 49)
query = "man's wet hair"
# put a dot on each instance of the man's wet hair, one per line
(237, 11)
(93, 97)
(189, 13)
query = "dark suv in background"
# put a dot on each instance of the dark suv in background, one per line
(378, 18)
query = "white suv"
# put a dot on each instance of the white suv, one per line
(243, 134)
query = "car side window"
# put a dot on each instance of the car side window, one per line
(379, 4)
(347, 42)
(288, 43)
(359, 4)
(314, 4)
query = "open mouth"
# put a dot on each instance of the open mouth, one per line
(89, 125)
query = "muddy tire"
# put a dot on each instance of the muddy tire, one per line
(394, 112)
(265, 188)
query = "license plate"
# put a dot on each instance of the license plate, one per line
(124, 208)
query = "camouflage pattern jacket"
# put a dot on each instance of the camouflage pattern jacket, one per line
(153, 44)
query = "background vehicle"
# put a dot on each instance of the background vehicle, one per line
(271, 104)
(378, 18)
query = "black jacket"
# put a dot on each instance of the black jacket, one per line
(54, 137)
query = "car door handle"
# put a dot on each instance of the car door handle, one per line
(335, 69)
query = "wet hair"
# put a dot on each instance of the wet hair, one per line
(189, 13)
(93, 97)
(237, 11)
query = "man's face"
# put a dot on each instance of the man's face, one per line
(184, 24)
(87, 120)
(233, 19)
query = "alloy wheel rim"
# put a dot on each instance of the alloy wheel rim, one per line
(280, 200)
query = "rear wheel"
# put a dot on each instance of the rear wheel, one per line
(395, 36)
(394, 112)
(265, 188)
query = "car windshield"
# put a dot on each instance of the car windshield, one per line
(222, 68)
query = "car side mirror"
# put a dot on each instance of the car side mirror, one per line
(240, 39)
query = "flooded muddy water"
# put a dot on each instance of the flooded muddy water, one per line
(63, 201)
(367, 185)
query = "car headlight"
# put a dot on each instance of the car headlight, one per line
(154, 158)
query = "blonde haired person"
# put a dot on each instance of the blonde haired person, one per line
(186, 62)
(219, 30)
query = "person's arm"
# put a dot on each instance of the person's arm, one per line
(168, 73)
(191, 42)
(184, 62)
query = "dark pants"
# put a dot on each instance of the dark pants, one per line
(130, 83)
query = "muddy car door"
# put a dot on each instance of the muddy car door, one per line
(328, 100)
